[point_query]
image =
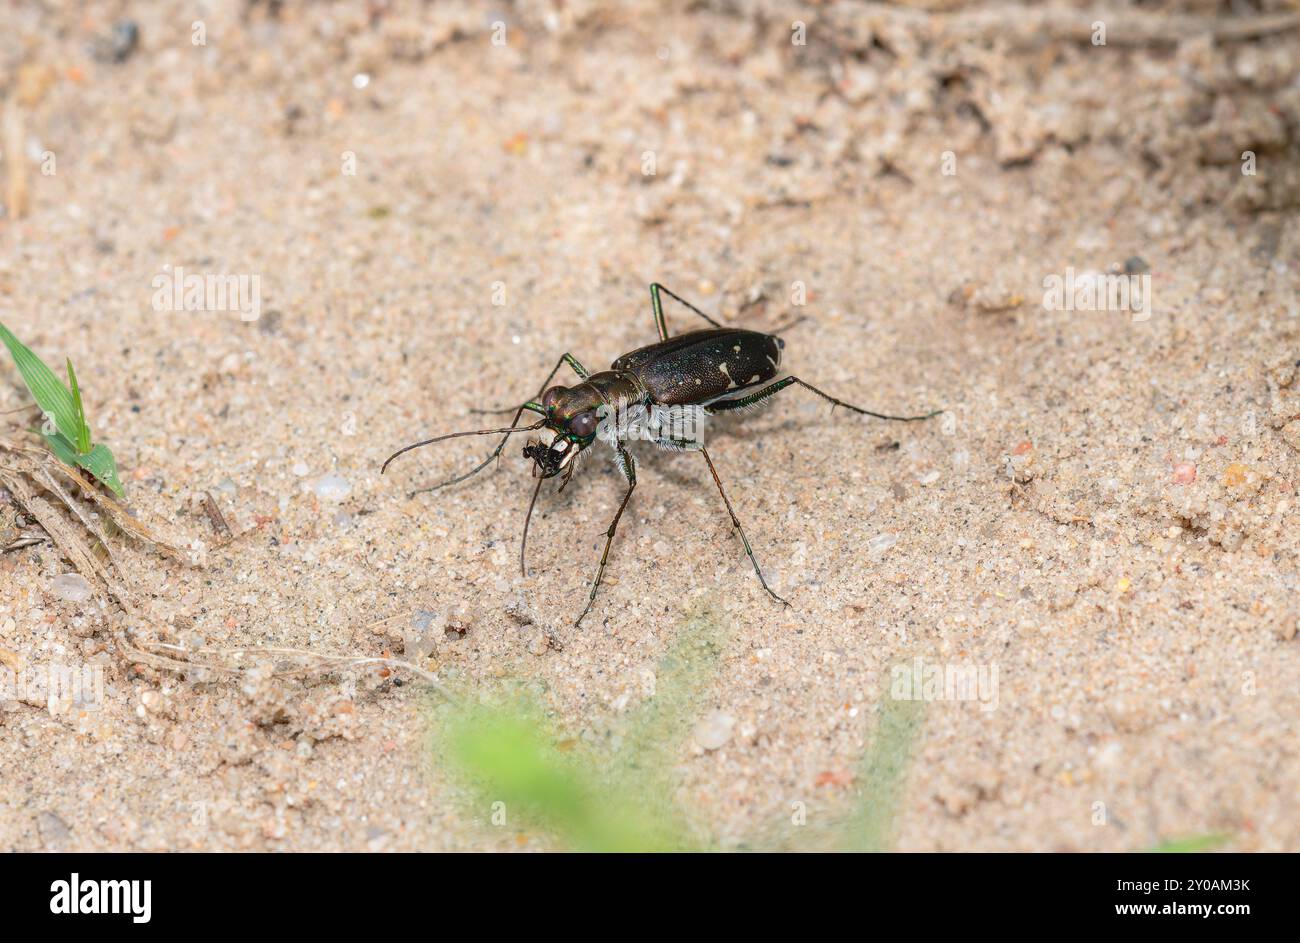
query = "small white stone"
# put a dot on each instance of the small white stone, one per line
(880, 543)
(71, 587)
(300, 469)
(1110, 755)
(332, 487)
(421, 634)
(713, 730)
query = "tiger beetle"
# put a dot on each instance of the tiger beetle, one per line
(660, 393)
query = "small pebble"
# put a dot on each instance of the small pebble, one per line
(713, 730)
(120, 43)
(332, 487)
(71, 587)
(421, 634)
(1235, 475)
(880, 543)
(1184, 473)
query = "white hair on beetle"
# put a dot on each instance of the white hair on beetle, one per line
(637, 422)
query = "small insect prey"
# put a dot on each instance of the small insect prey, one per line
(662, 394)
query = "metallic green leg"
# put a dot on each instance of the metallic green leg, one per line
(662, 325)
(768, 391)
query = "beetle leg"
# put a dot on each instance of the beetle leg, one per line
(735, 522)
(660, 324)
(628, 466)
(568, 358)
(753, 399)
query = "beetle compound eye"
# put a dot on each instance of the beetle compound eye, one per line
(583, 424)
(551, 397)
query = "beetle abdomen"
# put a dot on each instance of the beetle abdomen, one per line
(701, 366)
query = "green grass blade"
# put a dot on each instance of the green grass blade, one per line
(83, 430)
(100, 462)
(50, 394)
(64, 450)
(70, 438)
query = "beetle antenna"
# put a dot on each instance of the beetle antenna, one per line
(457, 435)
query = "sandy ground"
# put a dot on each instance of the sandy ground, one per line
(1107, 513)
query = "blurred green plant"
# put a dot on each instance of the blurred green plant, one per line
(610, 797)
(618, 796)
(1193, 843)
(882, 776)
(65, 431)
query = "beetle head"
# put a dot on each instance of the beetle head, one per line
(570, 427)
